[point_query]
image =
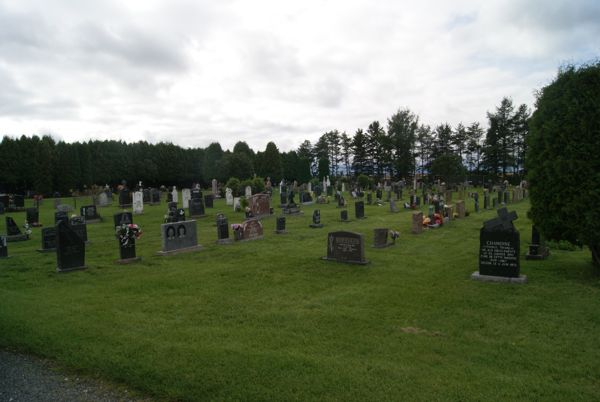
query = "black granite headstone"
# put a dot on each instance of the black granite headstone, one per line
(344, 215)
(12, 229)
(48, 239)
(81, 230)
(280, 228)
(61, 216)
(70, 249)
(155, 196)
(3, 247)
(122, 218)
(209, 200)
(33, 216)
(124, 198)
(499, 246)
(346, 247)
(89, 213)
(316, 219)
(197, 207)
(359, 210)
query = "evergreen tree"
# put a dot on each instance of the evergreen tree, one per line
(211, 166)
(402, 129)
(271, 162)
(360, 163)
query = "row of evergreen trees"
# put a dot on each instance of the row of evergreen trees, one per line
(405, 148)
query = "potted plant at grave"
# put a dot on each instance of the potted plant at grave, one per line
(127, 234)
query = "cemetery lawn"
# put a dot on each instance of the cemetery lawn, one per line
(269, 320)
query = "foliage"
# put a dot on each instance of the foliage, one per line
(234, 184)
(363, 181)
(449, 167)
(563, 158)
(258, 185)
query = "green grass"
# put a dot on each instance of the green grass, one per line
(269, 320)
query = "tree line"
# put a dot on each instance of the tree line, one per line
(402, 149)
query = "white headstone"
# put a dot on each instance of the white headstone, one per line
(236, 204)
(248, 191)
(228, 196)
(343, 187)
(174, 193)
(309, 187)
(103, 200)
(186, 196)
(328, 182)
(138, 202)
(324, 185)
(215, 188)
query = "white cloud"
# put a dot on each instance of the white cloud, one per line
(194, 72)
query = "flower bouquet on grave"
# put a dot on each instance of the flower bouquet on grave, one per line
(128, 233)
(394, 235)
(27, 229)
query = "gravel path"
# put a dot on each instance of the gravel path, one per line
(26, 378)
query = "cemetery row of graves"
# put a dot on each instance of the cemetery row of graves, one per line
(67, 236)
(186, 295)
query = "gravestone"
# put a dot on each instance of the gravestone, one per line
(90, 213)
(499, 245)
(3, 247)
(393, 207)
(369, 198)
(127, 253)
(348, 247)
(122, 218)
(138, 203)
(506, 197)
(5, 200)
(476, 200)
(18, 202)
(174, 195)
(57, 202)
(196, 208)
(341, 202)
(380, 238)
(237, 206)
(460, 209)
(495, 203)
(61, 216)
(378, 194)
(124, 198)
(147, 196)
(48, 240)
(70, 249)
(215, 188)
(316, 219)
(537, 248)
(260, 205)
(103, 200)
(359, 210)
(79, 227)
(186, 196)
(33, 217)
(248, 192)
(2, 208)
(344, 215)
(13, 233)
(178, 237)
(486, 200)
(223, 230)
(64, 208)
(228, 196)
(283, 199)
(169, 197)
(155, 196)
(252, 230)
(280, 228)
(209, 201)
(417, 223)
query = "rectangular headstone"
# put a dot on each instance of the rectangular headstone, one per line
(252, 230)
(348, 247)
(70, 249)
(33, 216)
(186, 196)
(138, 203)
(209, 200)
(81, 230)
(499, 253)
(178, 237)
(48, 239)
(260, 205)
(89, 213)
(3, 247)
(122, 218)
(124, 198)
(359, 209)
(196, 207)
(460, 209)
(155, 196)
(417, 222)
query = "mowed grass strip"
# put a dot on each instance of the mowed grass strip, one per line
(269, 320)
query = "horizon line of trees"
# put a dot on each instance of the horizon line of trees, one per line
(403, 149)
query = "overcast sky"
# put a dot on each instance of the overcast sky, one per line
(194, 72)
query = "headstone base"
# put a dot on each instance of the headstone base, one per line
(281, 231)
(542, 256)
(291, 211)
(71, 269)
(179, 251)
(20, 237)
(36, 225)
(93, 220)
(124, 206)
(254, 238)
(316, 225)
(198, 216)
(128, 260)
(46, 250)
(383, 245)
(347, 262)
(224, 241)
(504, 279)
